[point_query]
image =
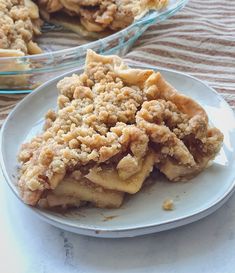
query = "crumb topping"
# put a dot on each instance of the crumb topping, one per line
(19, 21)
(96, 15)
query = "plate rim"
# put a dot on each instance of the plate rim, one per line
(123, 231)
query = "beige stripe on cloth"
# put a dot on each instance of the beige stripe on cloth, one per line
(199, 40)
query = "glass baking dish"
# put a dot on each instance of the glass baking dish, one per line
(23, 74)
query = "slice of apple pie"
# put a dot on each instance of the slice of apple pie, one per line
(114, 124)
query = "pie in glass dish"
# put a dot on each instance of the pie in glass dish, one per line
(113, 126)
(22, 32)
(20, 20)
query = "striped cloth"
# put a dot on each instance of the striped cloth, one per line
(199, 40)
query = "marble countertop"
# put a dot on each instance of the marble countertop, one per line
(28, 245)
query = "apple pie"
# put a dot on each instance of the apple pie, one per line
(20, 23)
(90, 17)
(113, 126)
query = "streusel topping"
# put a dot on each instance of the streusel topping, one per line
(19, 23)
(97, 16)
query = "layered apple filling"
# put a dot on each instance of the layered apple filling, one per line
(113, 126)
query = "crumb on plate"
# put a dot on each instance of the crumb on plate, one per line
(168, 204)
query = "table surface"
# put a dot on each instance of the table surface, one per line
(29, 245)
(199, 40)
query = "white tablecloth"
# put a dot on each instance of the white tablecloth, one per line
(28, 245)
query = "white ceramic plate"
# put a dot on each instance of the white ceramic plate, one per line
(141, 213)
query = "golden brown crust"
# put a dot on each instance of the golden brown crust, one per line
(167, 92)
(130, 76)
(50, 5)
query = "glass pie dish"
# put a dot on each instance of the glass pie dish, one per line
(65, 50)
